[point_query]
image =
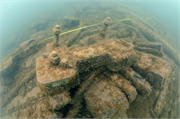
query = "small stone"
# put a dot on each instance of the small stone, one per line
(70, 66)
(54, 60)
(64, 61)
(54, 54)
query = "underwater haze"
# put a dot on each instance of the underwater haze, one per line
(18, 16)
(166, 10)
(89, 58)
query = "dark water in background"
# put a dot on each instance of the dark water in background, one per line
(17, 16)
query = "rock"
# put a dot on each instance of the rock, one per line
(155, 69)
(53, 58)
(150, 51)
(64, 63)
(101, 55)
(139, 109)
(58, 101)
(54, 54)
(115, 55)
(125, 86)
(105, 100)
(159, 105)
(154, 45)
(71, 22)
(108, 94)
(56, 79)
(141, 85)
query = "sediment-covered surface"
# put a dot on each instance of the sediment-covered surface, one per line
(110, 61)
(109, 94)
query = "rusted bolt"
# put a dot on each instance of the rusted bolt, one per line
(107, 22)
(56, 31)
